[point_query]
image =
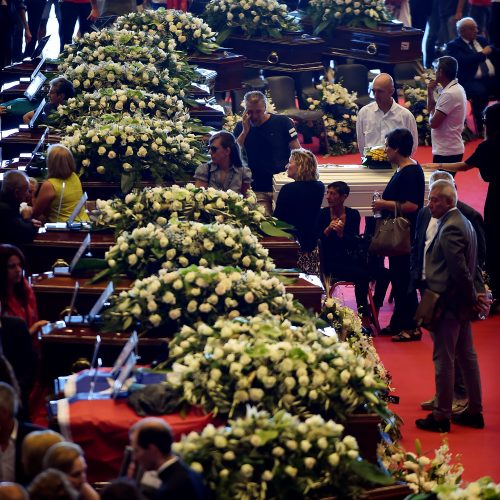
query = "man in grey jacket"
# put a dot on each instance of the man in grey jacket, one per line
(451, 270)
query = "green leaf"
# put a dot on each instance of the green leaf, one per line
(266, 436)
(370, 23)
(321, 27)
(223, 35)
(371, 473)
(127, 183)
(418, 447)
(272, 230)
(100, 276)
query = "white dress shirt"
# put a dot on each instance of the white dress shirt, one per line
(373, 124)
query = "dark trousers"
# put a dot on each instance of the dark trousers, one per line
(420, 13)
(447, 159)
(35, 10)
(479, 92)
(70, 13)
(405, 301)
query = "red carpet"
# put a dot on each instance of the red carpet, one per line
(412, 369)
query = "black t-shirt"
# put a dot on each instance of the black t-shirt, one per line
(407, 184)
(267, 149)
(485, 159)
(299, 204)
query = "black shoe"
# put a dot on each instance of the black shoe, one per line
(474, 420)
(431, 424)
(389, 332)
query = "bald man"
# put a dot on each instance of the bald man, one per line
(12, 491)
(166, 476)
(377, 119)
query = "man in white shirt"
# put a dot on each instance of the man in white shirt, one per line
(377, 119)
(447, 113)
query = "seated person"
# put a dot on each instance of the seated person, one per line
(338, 228)
(478, 67)
(226, 170)
(17, 226)
(12, 112)
(68, 458)
(299, 203)
(53, 203)
(60, 91)
(16, 295)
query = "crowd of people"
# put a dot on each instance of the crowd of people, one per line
(451, 245)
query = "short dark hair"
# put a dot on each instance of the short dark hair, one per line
(159, 436)
(341, 187)
(401, 140)
(6, 252)
(63, 86)
(227, 140)
(12, 180)
(449, 66)
(492, 120)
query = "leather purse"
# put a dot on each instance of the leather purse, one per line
(392, 236)
(428, 311)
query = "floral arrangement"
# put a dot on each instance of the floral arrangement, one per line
(343, 319)
(259, 18)
(421, 473)
(196, 293)
(340, 115)
(328, 14)
(128, 101)
(131, 148)
(415, 99)
(121, 46)
(482, 488)
(160, 204)
(267, 362)
(278, 456)
(91, 77)
(179, 244)
(190, 33)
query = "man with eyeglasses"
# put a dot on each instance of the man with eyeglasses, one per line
(267, 140)
(60, 91)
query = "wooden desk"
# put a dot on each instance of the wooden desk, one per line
(53, 294)
(362, 181)
(60, 348)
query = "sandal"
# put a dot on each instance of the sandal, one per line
(408, 336)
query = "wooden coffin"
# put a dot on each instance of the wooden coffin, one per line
(24, 69)
(291, 53)
(53, 294)
(229, 68)
(61, 347)
(384, 45)
(23, 140)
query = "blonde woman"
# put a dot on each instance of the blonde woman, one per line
(299, 203)
(62, 190)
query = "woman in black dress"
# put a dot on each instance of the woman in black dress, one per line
(299, 203)
(338, 228)
(405, 189)
(485, 158)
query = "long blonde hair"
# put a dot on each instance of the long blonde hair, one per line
(307, 165)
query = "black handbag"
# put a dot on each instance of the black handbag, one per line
(392, 236)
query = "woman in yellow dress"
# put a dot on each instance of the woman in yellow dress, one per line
(62, 190)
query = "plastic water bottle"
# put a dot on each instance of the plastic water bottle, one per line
(377, 213)
(484, 314)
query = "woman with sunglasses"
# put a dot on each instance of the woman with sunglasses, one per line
(226, 170)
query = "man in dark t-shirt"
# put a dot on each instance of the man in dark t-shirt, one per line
(267, 140)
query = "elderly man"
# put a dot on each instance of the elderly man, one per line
(166, 476)
(478, 66)
(377, 119)
(447, 113)
(267, 140)
(451, 270)
(16, 228)
(12, 434)
(426, 229)
(60, 91)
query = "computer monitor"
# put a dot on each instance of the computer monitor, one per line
(103, 298)
(38, 111)
(39, 48)
(125, 353)
(38, 68)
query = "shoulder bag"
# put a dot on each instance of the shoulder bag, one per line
(392, 236)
